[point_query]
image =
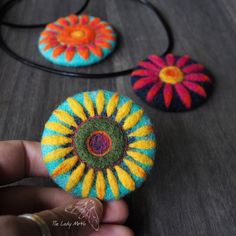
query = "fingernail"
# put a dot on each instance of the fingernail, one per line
(88, 209)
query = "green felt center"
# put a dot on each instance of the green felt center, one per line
(118, 142)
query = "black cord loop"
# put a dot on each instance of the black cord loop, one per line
(7, 6)
(23, 26)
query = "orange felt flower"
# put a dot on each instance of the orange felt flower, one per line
(78, 34)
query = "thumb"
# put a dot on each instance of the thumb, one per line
(80, 217)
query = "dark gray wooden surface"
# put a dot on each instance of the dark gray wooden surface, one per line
(192, 189)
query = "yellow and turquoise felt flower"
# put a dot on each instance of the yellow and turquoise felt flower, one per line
(99, 144)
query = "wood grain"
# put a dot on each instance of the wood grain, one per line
(192, 189)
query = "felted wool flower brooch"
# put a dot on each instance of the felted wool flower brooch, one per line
(99, 144)
(77, 41)
(172, 83)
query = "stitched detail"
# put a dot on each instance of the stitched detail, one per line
(58, 128)
(112, 104)
(140, 157)
(100, 102)
(142, 131)
(87, 183)
(75, 177)
(133, 119)
(113, 183)
(100, 185)
(65, 166)
(57, 154)
(125, 179)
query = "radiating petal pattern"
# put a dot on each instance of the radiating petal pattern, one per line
(99, 144)
(77, 41)
(170, 82)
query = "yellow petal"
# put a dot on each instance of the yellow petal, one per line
(65, 166)
(57, 154)
(89, 104)
(112, 104)
(55, 140)
(143, 131)
(65, 117)
(100, 101)
(77, 108)
(143, 144)
(123, 111)
(113, 183)
(140, 157)
(125, 178)
(87, 183)
(58, 127)
(133, 119)
(135, 169)
(100, 185)
(75, 177)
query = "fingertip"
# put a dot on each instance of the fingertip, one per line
(114, 230)
(115, 212)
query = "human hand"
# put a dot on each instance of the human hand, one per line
(21, 159)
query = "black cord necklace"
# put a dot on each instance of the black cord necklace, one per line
(34, 26)
(9, 5)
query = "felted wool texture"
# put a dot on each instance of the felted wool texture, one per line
(77, 41)
(120, 171)
(172, 83)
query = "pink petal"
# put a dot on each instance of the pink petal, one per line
(195, 88)
(157, 61)
(170, 59)
(194, 68)
(144, 73)
(143, 83)
(182, 61)
(153, 92)
(149, 66)
(198, 77)
(168, 95)
(184, 95)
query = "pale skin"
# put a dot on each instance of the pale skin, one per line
(21, 159)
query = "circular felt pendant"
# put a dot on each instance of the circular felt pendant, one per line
(99, 144)
(172, 83)
(77, 41)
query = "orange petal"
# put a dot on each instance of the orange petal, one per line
(106, 37)
(105, 31)
(59, 50)
(84, 52)
(47, 40)
(48, 33)
(95, 21)
(84, 20)
(102, 25)
(70, 52)
(73, 19)
(51, 45)
(55, 27)
(103, 44)
(96, 50)
(63, 21)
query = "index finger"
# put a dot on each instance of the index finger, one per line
(20, 159)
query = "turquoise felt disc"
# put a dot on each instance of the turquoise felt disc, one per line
(99, 144)
(77, 41)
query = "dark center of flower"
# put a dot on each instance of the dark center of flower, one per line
(171, 75)
(99, 143)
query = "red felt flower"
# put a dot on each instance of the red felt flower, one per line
(170, 75)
